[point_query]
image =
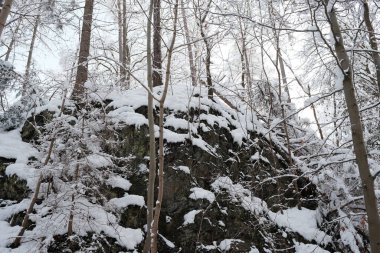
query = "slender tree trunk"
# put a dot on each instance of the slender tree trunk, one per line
(4, 14)
(315, 116)
(123, 43)
(120, 26)
(283, 75)
(13, 41)
(25, 85)
(152, 144)
(335, 123)
(126, 52)
(208, 52)
(84, 51)
(193, 70)
(157, 54)
(357, 135)
(372, 42)
(160, 194)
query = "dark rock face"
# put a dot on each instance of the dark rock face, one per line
(255, 164)
(11, 187)
(267, 177)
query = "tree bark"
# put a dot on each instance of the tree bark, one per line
(373, 42)
(357, 134)
(210, 92)
(84, 51)
(160, 194)
(193, 70)
(123, 44)
(4, 14)
(30, 54)
(152, 144)
(13, 41)
(157, 54)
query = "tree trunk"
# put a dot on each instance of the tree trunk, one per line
(13, 41)
(372, 42)
(84, 51)
(160, 194)
(193, 70)
(120, 26)
(25, 84)
(210, 92)
(157, 54)
(152, 144)
(357, 135)
(4, 14)
(127, 56)
(123, 43)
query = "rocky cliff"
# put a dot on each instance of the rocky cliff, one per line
(228, 184)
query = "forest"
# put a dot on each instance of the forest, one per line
(189, 126)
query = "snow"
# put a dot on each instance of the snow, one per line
(7, 234)
(25, 172)
(348, 234)
(239, 194)
(170, 244)
(239, 134)
(190, 217)
(302, 221)
(176, 123)
(254, 250)
(127, 200)
(308, 248)
(226, 244)
(12, 146)
(200, 193)
(182, 168)
(339, 77)
(96, 161)
(119, 182)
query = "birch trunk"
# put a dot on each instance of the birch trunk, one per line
(357, 134)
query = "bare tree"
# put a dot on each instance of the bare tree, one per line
(124, 54)
(84, 50)
(152, 143)
(357, 131)
(30, 54)
(157, 54)
(193, 70)
(202, 26)
(161, 157)
(373, 42)
(4, 14)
